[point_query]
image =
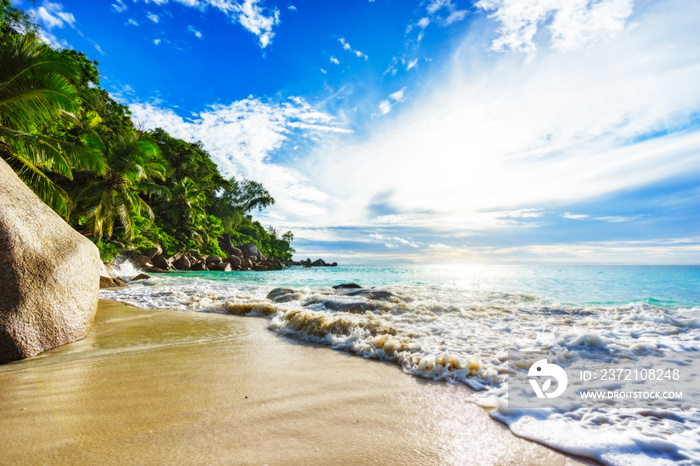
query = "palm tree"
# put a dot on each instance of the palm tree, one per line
(37, 88)
(186, 204)
(133, 163)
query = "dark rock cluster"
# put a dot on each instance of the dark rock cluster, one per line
(316, 263)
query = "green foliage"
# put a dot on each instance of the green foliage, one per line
(114, 198)
(78, 149)
(189, 160)
(166, 241)
(108, 251)
(38, 87)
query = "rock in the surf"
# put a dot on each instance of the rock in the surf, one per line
(221, 267)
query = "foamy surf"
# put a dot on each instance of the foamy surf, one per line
(457, 332)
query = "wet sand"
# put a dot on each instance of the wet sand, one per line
(160, 387)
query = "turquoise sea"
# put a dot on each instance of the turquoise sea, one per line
(457, 324)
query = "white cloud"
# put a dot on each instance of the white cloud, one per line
(384, 107)
(411, 64)
(323, 71)
(253, 15)
(398, 96)
(52, 15)
(494, 134)
(335, 61)
(438, 246)
(99, 49)
(157, 41)
(406, 242)
(132, 22)
(53, 41)
(571, 23)
(119, 6)
(522, 213)
(194, 31)
(153, 17)
(242, 137)
(292, 8)
(255, 18)
(454, 17)
(436, 9)
(423, 22)
(609, 218)
(348, 47)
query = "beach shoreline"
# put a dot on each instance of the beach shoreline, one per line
(159, 386)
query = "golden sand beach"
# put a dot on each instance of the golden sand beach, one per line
(164, 387)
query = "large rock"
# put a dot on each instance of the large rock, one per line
(236, 252)
(200, 266)
(107, 282)
(213, 260)
(235, 261)
(250, 252)
(182, 264)
(221, 267)
(140, 261)
(225, 243)
(156, 251)
(49, 274)
(160, 262)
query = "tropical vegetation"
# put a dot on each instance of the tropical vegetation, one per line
(122, 187)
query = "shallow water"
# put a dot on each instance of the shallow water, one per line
(164, 387)
(457, 325)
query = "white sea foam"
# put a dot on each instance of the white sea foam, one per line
(125, 270)
(448, 333)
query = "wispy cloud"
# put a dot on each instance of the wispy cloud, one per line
(574, 216)
(606, 218)
(153, 17)
(119, 6)
(243, 136)
(571, 24)
(394, 241)
(252, 15)
(132, 22)
(194, 31)
(385, 106)
(52, 15)
(348, 47)
(495, 135)
(442, 12)
(335, 61)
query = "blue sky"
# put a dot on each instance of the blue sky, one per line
(427, 131)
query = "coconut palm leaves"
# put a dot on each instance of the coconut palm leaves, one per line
(133, 162)
(37, 87)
